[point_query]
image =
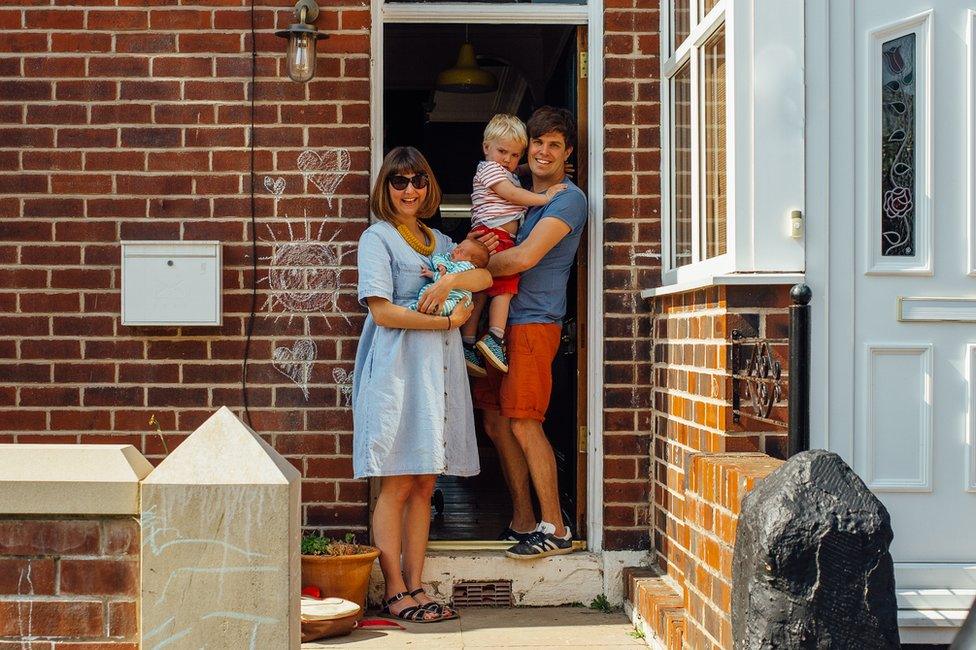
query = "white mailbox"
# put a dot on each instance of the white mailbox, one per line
(171, 283)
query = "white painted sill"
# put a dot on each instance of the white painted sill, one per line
(737, 279)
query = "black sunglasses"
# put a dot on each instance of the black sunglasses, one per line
(399, 182)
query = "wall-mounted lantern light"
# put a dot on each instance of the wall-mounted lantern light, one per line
(301, 41)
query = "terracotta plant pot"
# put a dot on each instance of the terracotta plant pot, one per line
(344, 576)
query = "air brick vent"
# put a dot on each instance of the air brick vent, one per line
(497, 593)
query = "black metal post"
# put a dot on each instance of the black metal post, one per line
(736, 350)
(799, 436)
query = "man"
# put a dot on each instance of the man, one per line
(515, 404)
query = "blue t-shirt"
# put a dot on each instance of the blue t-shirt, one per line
(541, 296)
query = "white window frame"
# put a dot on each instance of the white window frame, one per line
(689, 52)
(764, 136)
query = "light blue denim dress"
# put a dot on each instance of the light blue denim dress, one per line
(412, 409)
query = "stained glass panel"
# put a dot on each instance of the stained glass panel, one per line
(681, 167)
(898, 147)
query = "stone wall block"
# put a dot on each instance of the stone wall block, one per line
(812, 567)
(220, 543)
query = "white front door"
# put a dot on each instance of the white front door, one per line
(902, 287)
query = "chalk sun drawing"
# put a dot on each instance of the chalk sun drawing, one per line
(296, 362)
(325, 169)
(343, 380)
(304, 274)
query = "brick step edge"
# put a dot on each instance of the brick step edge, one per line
(655, 607)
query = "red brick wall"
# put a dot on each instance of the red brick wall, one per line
(631, 227)
(131, 122)
(692, 396)
(69, 581)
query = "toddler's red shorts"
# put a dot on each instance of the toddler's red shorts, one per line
(503, 284)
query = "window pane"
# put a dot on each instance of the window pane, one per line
(713, 235)
(680, 22)
(705, 6)
(898, 147)
(681, 167)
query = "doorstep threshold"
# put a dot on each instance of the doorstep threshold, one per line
(540, 582)
(482, 545)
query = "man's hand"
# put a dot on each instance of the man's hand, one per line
(486, 237)
(433, 299)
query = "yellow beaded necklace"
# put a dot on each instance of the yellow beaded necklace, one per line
(424, 249)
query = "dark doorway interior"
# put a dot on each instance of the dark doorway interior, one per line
(535, 65)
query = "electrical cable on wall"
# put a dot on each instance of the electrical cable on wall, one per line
(254, 228)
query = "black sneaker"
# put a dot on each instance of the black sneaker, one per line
(512, 535)
(542, 543)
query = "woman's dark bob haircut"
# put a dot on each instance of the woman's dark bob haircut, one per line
(406, 161)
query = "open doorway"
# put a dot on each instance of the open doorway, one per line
(534, 65)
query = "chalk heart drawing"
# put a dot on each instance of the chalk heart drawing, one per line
(296, 362)
(325, 169)
(344, 380)
(274, 185)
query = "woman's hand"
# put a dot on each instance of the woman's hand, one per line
(435, 295)
(461, 314)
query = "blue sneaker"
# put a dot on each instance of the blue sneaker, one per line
(474, 362)
(493, 349)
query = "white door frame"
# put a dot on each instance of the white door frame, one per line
(830, 192)
(590, 15)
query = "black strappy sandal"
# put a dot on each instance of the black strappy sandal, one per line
(412, 614)
(435, 607)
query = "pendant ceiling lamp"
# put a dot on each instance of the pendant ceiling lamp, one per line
(466, 76)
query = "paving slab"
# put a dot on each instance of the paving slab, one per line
(485, 628)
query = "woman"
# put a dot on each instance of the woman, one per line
(411, 405)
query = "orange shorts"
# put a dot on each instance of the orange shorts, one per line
(523, 392)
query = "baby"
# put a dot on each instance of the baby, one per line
(498, 205)
(469, 254)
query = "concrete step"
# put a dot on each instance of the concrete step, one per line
(932, 616)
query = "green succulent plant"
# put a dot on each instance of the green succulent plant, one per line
(316, 544)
